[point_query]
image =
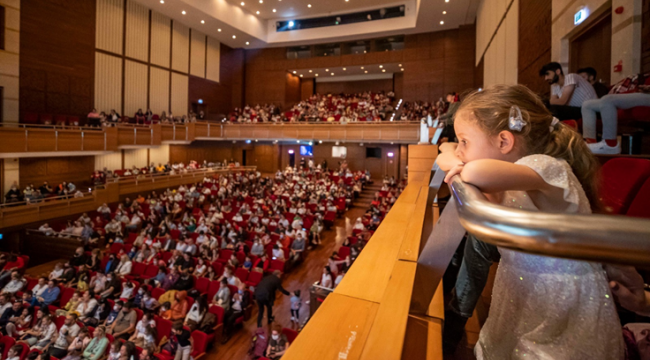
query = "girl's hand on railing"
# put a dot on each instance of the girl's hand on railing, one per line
(628, 288)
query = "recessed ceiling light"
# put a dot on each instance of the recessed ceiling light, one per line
(234, 36)
(261, 1)
(444, 13)
(343, 69)
(219, 30)
(402, 69)
(364, 51)
(202, 21)
(384, 70)
(400, 65)
(242, 3)
(300, 75)
(332, 74)
(362, 68)
(442, 22)
(294, 71)
(258, 12)
(327, 69)
(446, 0)
(183, 12)
(309, 70)
(381, 66)
(366, 71)
(162, 1)
(274, 10)
(316, 75)
(247, 43)
(308, 5)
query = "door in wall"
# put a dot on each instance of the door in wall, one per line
(243, 158)
(593, 48)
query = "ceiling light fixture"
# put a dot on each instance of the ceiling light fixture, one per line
(366, 71)
(343, 69)
(300, 75)
(202, 21)
(219, 30)
(400, 65)
(274, 10)
(258, 12)
(234, 36)
(332, 74)
(183, 12)
(294, 71)
(316, 75)
(402, 69)
(247, 43)
(242, 3)
(381, 66)
(444, 13)
(261, 1)
(384, 70)
(308, 5)
(162, 1)
(309, 70)
(442, 22)
(362, 68)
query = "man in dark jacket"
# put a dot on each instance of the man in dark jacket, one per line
(10, 315)
(265, 295)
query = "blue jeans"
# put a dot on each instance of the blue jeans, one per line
(473, 274)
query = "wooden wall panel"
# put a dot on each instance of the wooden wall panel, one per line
(213, 60)
(57, 65)
(231, 72)
(535, 18)
(137, 31)
(108, 82)
(351, 87)
(292, 89)
(645, 38)
(216, 97)
(110, 29)
(160, 39)
(205, 150)
(197, 56)
(135, 87)
(180, 47)
(158, 90)
(179, 94)
(56, 170)
(306, 88)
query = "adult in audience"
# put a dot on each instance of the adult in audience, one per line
(568, 92)
(48, 296)
(238, 304)
(97, 346)
(66, 335)
(625, 94)
(11, 315)
(590, 74)
(179, 306)
(184, 340)
(278, 344)
(124, 323)
(265, 295)
(16, 284)
(13, 195)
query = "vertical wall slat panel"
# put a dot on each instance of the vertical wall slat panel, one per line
(137, 31)
(160, 39)
(111, 161)
(137, 157)
(180, 47)
(135, 87)
(159, 90)
(109, 33)
(179, 90)
(212, 67)
(108, 82)
(159, 154)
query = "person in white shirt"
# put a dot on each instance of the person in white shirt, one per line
(124, 267)
(568, 92)
(16, 284)
(195, 315)
(46, 229)
(66, 335)
(86, 306)
(40, 286)
(14, 352)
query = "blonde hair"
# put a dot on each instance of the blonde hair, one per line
(491, 111)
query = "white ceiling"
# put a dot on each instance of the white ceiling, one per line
(300, 8)
(223, 19)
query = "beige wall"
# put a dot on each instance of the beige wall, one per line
(9, 60)
(148, 59)
(159, 154)
(626, 32)
(111, 161)
(135, 157)
(11, 173)
(497, 40)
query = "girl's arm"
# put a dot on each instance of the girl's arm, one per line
(493, 176)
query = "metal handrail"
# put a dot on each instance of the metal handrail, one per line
(591, 237)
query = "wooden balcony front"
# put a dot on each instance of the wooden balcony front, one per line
(16, 139)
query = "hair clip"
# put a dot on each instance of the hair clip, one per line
(554, 122)
(516, 121)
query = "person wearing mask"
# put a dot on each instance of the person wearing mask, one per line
(265, 295)
(278, 344)
(79, 257)
(112, 315)
(222, 296)
(124, 323)
(113, 286)
(97, 346)
(195, 315)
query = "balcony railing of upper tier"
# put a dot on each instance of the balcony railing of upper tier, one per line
(396, 310)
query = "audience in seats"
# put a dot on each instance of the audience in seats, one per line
(568, 92)
(342, 108)
(506, 132)
(628, 93)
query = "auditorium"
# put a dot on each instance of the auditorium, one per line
(324, 180)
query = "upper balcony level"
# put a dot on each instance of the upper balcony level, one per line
(22, 140)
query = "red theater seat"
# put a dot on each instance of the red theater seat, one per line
(622, 178)
(640, 205)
